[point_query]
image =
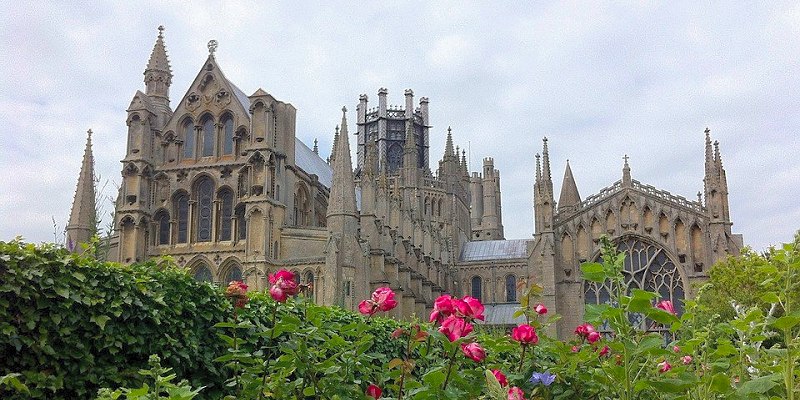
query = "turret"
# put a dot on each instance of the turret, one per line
(716, 195)
(543, 193)
(83, 217)
(342, 214)
(570, 198)
(158, 74)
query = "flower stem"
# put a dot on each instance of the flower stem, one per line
(266, 363)
(522, 358)
(450, 367)
(405, 363)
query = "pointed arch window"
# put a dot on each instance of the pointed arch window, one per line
(477, 284)
(208, 136)
(162, 227)
(204, 193)
(511, 288)
(395, 157)
(234, 274)
(182, 215)
(241, 223)
(227, 138)
(202, 273)
(188, 139)
(648, 267)
(225, 197)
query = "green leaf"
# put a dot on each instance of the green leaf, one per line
(100, 320)
(593, 272)
(786, 322)
(63, 292)
(770, 297)
(758, 385)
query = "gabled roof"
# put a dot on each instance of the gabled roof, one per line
(239, 94)
(494, 250)
(311, 163)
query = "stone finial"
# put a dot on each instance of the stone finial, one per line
(316, 147)
(212, 46)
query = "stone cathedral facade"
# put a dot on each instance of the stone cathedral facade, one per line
(220, 182)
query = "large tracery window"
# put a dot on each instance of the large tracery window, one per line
(395, 157)
(241, 223)
(647, 267)
(204, 193)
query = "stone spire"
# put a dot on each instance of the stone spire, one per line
(158, 74)
(316, 147)
(710, 168)
(545, 160)
(410, 148)
(538, 168)
(342, 214)
(83, 217)
(370, 159)
(448, 148)
(464, 167)
(570, 197)
(335, 143)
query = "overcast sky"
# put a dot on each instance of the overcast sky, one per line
(600, 81)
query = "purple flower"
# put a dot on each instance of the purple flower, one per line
(542, 377)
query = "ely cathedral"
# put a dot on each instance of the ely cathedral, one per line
(220, 183)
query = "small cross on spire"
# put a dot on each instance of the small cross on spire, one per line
(625, 157)
(212, 46)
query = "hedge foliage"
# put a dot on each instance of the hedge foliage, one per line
(71, 324)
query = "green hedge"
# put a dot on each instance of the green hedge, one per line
(71, 325)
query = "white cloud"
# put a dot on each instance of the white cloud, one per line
(642, 79)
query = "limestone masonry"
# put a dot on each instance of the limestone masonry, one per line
(221, 184)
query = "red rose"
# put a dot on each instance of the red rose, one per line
(500, 377)
(373, 391)
(473, 351)
(524, 334)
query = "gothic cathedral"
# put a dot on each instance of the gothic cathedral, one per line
(222, 184)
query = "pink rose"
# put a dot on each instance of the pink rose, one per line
(442, 308)
(664, 366)
(471, 308)
(584, 330)
(540, 309)
(686, 360)
(516, 393)
(604, 351)
(473, 351)
(593, 337)
(455, 328)
(283, 285)
(373, 391)
(500, 377)
(524, 334)
(382, 299)
(667, 306)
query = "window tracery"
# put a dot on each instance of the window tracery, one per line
(511, 288)
(188, 139)
(226, 214)
(182, 215)
(204, 193)
(202, 273)
(648, 267)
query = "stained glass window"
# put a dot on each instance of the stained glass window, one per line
(395, 157)
(202, 273)
(188, 139)
(208, 137)
(234, 274)
(647, 267)
(225, 215)
(511, 288)
(182, 212)
(163, 227)
(227, 140)
(204, 193)
(476, 287)
(241, 222)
